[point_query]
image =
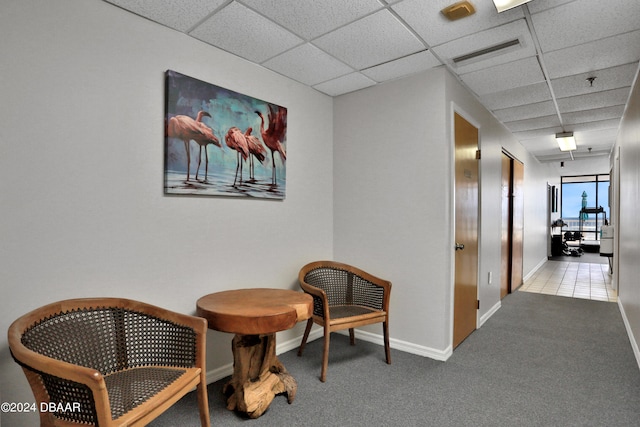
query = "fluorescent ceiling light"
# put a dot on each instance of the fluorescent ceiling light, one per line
(566, 141)
(503, 5)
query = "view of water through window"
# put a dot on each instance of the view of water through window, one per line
(582, 198)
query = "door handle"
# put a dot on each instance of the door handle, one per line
(459, 246)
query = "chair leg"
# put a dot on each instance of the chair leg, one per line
(305, 336)
(203, 402)
(352, 336)
(387, 350)
(325, 354)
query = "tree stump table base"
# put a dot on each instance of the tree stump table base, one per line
(254, 316)
(258, 375)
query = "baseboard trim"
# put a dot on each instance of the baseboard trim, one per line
(627, 326)
(317, 333)
(489, 313)
(405, 346)
(219, 373)
(534, 269)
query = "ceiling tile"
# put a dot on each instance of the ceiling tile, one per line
(594, 100)
(405, 66)
(323, 43)
(503, 77)
(528, 111)
(180, 15)
(605, 53)
(542, 142)
(308, 64)
(530, 124)
(487, 39)
(344, 84)
(593, 126)
(373, 40)
(537, 92)
(538, 133)
(597, 138)
(540, 5)
(583, 21)
(598, 114)
(311, 18)
(609, 78)
(434, 28)
(254, 37)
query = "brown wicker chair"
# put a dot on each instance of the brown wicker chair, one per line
(344, 297)
(109, 361)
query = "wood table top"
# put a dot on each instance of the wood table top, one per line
(255, 311)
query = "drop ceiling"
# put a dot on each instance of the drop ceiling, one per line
(540, 85)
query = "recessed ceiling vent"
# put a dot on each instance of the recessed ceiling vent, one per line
(459, 10)
(488, 52)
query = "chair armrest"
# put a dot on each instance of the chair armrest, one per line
(320, 301)
(39, 362)
(57, 368)
(381, 283)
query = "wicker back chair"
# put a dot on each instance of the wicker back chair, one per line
(344, 297)
(109, 361)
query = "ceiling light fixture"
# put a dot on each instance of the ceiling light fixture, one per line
(566, 141)
(503, 5)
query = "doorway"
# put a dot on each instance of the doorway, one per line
(465, 309)
(512, 225)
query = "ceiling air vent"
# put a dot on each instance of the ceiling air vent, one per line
(488, 52)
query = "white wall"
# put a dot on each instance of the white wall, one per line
(628, 147)
(391, 201)
(82, 145)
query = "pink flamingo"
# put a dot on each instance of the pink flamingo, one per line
(274, 135)
(208, 138)
(256, 149)
(186, 129)
(236, 140)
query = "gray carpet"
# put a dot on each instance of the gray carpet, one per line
(541, 360)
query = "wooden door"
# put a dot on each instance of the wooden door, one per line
(505, 256)
(466, 230)
(511, 273)
(517, 227)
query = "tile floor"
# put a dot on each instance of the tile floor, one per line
(572, 279)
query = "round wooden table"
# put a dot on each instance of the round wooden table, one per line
(254, 316)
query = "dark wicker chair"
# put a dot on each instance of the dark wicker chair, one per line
(344, 297)
(110, 361)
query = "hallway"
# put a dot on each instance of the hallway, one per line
(586, 278)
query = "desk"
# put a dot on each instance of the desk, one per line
(254, 316)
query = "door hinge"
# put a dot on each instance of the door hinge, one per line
(478, 155)
(478, 304)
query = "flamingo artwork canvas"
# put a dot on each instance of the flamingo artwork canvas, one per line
(219, 142)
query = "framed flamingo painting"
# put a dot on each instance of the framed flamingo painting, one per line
(222, 143)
